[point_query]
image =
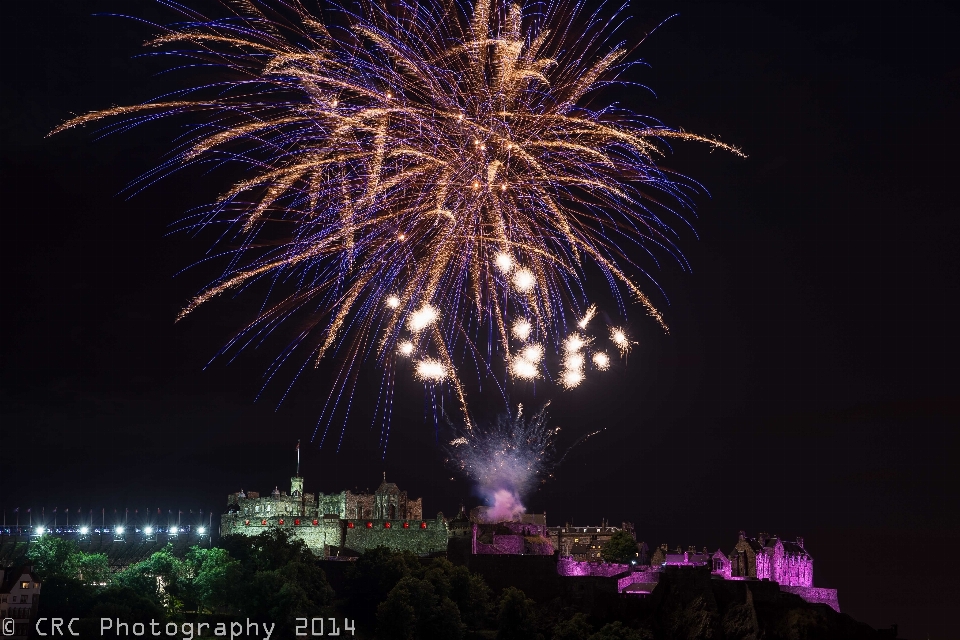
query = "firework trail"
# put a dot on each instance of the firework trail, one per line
(507, 458)
(419, 180)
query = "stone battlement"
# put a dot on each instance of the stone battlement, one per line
(339, 524)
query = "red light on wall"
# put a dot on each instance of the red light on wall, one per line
(369, 525)
(246, 523)
(297, 522)
(423, 525)
(349, 525)
(386, 525)
(281, 520)
(263, 522)
(316, 522)
(406, 525)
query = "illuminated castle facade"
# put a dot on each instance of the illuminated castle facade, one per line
(765, 557)
(339, 524)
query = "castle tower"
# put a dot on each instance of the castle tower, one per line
(296, 486)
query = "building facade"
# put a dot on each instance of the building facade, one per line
(19, 600)
(770, 558)
(339, 524)
(585, 544)
(765, 557)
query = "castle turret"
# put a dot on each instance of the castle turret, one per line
(296, 486)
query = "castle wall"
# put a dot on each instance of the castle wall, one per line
(570, 567)
(647, 579)
(815, 595)
(508, 544)
(796, 571)
(419, 540)
(333, 505)
(320, 534)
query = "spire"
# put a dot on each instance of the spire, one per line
(384, 476)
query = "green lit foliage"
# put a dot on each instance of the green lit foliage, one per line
(94, 568)
(620, 548)
(162, 577)
(54, 557)
(217, 578)
(274, 577)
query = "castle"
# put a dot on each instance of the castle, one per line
(764, 558)
(345, 524)
(340, 524)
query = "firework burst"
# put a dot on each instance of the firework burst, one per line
(420, 171)
(506, 459)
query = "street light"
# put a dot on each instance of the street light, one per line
(202, 530)
(84, 531)
(148, 530)
(119, 529)
(39, 531)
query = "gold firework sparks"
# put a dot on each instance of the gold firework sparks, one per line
(409, 159)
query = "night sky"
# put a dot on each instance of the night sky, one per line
(808, 386)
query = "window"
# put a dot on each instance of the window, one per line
(24, 585)
(23, 598)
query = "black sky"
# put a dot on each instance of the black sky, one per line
(808, 386)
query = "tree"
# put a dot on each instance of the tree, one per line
(472, 597)
(414, 611)
(375, 573)
(217, 577)
(272, 577)
(54, 557)
(162, 577)
(515, 620)
(94, 568)
(576, 628)
(621, 547)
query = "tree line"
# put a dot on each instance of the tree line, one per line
(275, 578)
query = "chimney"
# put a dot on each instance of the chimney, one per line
(800, 542)
(762, 538)
(743, 535)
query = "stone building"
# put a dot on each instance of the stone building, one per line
(510, 538)
(664, 556)
(765, 557)
(770, 558)
(19, 599)
(586, 543)
(339, 524)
